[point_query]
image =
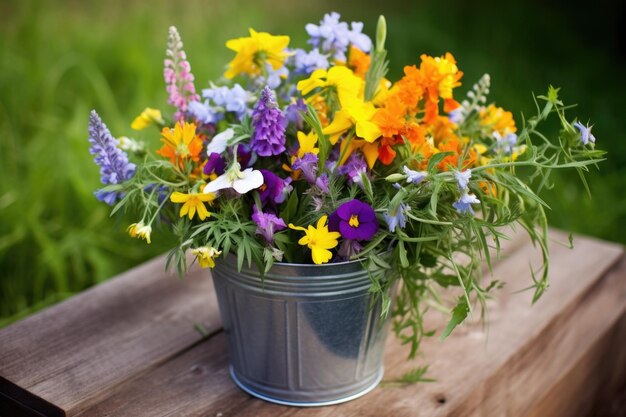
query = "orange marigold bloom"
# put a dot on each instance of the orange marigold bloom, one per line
(386, 154)
(180, 144)
(390, 119)
(498, 119)
(359, 61)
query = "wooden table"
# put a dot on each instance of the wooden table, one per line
(128, 347)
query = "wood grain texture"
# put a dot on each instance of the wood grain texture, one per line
(554, 359)
(74, 353)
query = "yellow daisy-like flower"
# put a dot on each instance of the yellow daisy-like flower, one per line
(307, 143)
(319, 240)
(140, 231)
(349, 87)
(147, 118)
(256, 50)
(206, 256)
(193, 203)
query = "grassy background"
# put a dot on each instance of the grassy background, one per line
(58, 60)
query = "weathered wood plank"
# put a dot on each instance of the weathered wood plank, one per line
(529, 350)
(73, 354)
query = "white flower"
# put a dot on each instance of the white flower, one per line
(219, 142)
(241, 181)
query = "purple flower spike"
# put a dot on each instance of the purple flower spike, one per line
(113, 162)
(269, 124)
(267, 224)
(272, 190)
(308, 165)
(214, 165)
(355, 220)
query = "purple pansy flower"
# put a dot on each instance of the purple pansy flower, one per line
(269, 124)
(272, 190)
(585, 132)
(464, 204)
(308, 165)
(267, 224)
(215, 165)
(355, 220)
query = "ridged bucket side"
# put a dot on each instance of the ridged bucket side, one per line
(305, 334)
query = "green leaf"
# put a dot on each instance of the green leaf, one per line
(435, 160)
(459, 314)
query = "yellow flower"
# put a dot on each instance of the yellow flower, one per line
(140, 230)
(498, 119)
(180, 144)
(348, 85)
(307, 143)
(357, 113)
(206, 256)
(319, 240)
(193, 202)
(256, 50)
(147, 117)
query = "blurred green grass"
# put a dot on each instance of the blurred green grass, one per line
(58, 60)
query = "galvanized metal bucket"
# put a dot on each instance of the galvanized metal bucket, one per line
(305, 335)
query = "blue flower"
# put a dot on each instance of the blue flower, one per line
(334, 37)
(462, 178)
(113, 162)
(220, 100)
(307, 62)
(203, 112)
(396, 218)
(506, 142)
(457, 115)
(464, 204)
(414, 177)
(585, 132)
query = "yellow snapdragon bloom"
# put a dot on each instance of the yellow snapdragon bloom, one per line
(147, 118)
(256, 50)
(193, 202)
(206, 256)
(319, 240)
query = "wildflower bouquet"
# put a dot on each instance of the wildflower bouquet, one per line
(313, 156)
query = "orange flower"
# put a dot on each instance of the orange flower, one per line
(181, 144)
(386, 154)
(359, 61)
(390, 119)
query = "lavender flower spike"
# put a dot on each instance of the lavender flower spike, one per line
(178, 76)
(113, 162)
(269, 124)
